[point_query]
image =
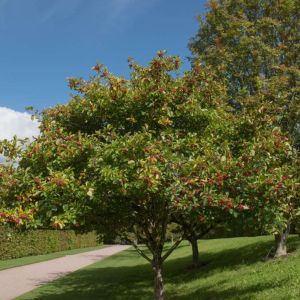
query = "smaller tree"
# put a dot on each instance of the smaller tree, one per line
(255, 46)
(194, 228)
(267, 183)
(202, 201)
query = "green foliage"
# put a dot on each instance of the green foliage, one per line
(46, 179)
(16, 243)
(255, 47)
(121, 146)
(265, 181)
(249, 38)
(128, 157)
(115, 158)
(15, 206)
(158, 146)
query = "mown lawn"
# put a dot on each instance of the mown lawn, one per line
(235, 270)
(17, 262)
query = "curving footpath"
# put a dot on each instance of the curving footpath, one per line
(17, 281)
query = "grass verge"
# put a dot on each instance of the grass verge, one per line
(235, 270)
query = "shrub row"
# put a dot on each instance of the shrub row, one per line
(15, 244)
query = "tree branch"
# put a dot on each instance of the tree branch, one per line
(175, 245)
(141, 252)
(205, 232)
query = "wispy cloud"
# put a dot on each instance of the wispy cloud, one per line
(107, 15)
(117, 9)
(121, 12)
(50, 12)
(59, 9)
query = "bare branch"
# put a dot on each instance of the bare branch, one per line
(142, 253)
(175, 245)
(203, 233)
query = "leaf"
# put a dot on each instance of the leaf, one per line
(90, 192)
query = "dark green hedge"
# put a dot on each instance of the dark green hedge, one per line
(14, 244)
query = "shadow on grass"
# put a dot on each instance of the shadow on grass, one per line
(132, 280)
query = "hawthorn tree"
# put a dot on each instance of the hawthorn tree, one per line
(14, 212)
(202, 200)
(193, 227)
(129, 155)
(114, 158)
(279, 188)
(148, 129)
(46, 178)
(265, 180)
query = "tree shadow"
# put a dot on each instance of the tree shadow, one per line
(133, 280)
(100, 283)
(228, 259)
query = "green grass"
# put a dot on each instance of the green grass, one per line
(235, 270)
(17, 262)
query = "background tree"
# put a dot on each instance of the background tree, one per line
(265, 179)
(202, 202)
(257, 45)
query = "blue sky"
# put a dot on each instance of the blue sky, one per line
(45, 41)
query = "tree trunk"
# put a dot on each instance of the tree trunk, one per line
(194, 243)
(281, 243)
(158, 280)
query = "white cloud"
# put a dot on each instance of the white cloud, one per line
(17, 123)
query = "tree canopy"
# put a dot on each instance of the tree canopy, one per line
(256, 43)
(130, 157)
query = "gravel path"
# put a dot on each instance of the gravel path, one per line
(17, 281)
